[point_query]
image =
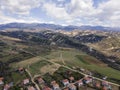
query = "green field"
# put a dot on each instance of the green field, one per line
(35, 68)
(79, 59)
(73, 58)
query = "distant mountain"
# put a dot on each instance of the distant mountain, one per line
(29, 26)
(54, 27)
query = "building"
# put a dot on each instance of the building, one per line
(40, 80)
(65, 82)
(97, 85)
(55, 85)
(87, 80)
(71, 79)
(46, 88)
(31, 88)
(6, 87)
(26, 81)
(79, 83)
(72, 87)
(1, 80)
(106, 85)
(21, 70)
(66, 88)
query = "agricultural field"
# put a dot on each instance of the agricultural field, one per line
(68, 57)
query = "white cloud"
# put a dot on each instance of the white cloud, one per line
(107, 13)
(19, 6)
(18, 11)
(74, 12)
(8, 19)
(79, 8)
(110, 11)
(56, 12)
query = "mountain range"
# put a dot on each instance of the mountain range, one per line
(55, 27)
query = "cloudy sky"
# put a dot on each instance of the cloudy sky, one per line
(65, 12)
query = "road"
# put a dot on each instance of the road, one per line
(83, 73)
(32, 79)
(56, 64)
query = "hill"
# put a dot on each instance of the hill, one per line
(45, 51)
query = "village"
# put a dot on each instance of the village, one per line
(63, 79)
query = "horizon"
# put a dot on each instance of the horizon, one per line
(58, 24)
(62, 12)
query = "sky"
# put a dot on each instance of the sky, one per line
(63, 12)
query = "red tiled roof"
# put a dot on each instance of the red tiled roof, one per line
(31, 88)
(66, 88)
(97, 84)
(104, 83)
(65, 80)
(72, 86)
(40, 79)
(20, 69)
(71, 78)
(87, 78)
(56, 85)
(6, 87)
(1, 78)
(79, 81)
(46, 88)
(104, 88)
(53, 82)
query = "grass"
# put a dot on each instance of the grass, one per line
(77, 58)
(72, 58)
(17, 77)
(82, 59)
(35, 67)
(26, 62)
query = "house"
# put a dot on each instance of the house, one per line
(65, 82)
(104, 83)
(46, 88)
(82, 69)
(66, 88)
(1, 80)
(109, 87)
(55, 85)
(31, 88)
(104, 78)
(72, 87)
(40, 80)
(26, 81)
(6, 87)
(53, 82)
(71, 79)
(97, 85)
(21, 70)
(80, 83)
(104, 88)
(87, 80)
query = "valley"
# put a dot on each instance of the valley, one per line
(44, 52)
